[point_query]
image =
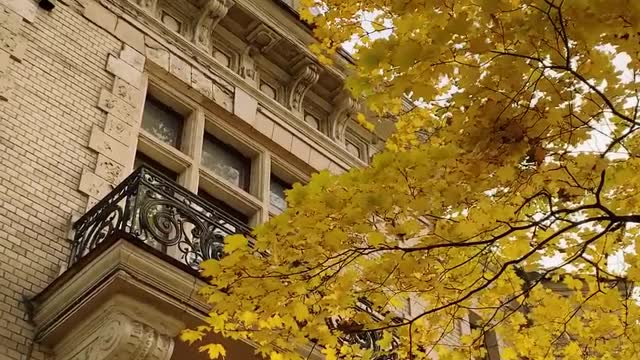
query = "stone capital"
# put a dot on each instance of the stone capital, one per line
(122, 329)
(210, 15)
(306, 73)
(344, 107)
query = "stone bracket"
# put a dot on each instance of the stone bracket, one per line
(148, 5)
(211, 13)
(306, 73)
(344, 107)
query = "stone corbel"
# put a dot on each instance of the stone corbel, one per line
(306, 73)
(210, 15)
(248, 64)
(344, 107)
(148, 5)
(117, 333)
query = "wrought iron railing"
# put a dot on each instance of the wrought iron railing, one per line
(160, 213)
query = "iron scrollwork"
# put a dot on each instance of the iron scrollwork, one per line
(157, 211)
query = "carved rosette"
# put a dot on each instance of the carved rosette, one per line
(306, 75)
(210, 15)
(344, 108)
(148, 5)
(121, 337)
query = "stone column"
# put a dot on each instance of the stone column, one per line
(123, 329)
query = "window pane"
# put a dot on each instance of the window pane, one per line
(225, 162)
(162, 122)
(277, 196)
(142, 159)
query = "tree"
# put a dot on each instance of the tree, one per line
(517, 168)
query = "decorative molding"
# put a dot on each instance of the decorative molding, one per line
(211, 13)
(263, 38)
(168, 41)
(344, 106)
(248, 68)
(148, 5)
(307, 73)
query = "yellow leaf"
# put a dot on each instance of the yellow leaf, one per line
(213, 350)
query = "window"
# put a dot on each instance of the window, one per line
(226, 162)
(223, 207)
(162, 122)
(142, 159)
(277, 197)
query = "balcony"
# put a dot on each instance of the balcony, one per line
(152, 209)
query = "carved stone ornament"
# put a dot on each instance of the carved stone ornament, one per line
(306, 75)
(344, 108)
(210, 15)
(120, 331)
(121, 337)
(248, 64)
(263, 38)
(148, 5)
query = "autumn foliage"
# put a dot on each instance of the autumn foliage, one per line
(510, 191)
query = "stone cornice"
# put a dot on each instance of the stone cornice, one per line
(206, 62)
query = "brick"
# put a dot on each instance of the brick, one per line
(129, 35)
(109, 170)
(108, 146)
(100, 16)
(12, 43)
(180, 68)
(282, 137)
(133, 57)
(26, 9)
(6, 87)
(123, 70)
(201, 83)
(119, 130)
(93, 185)
(117, 107)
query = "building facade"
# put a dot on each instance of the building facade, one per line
(221, 107)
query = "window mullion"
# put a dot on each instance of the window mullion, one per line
(262, 171)
(192, 140)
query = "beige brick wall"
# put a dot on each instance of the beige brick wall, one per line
(45, 123)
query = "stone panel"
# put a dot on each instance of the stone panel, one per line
(108, 146)
(26, 9)
(282, 137)
(300, 149)
(318, 160)
(129, 35)
(245, 106)
(123, 70)
(156, 53)
(93, 185)
(265, 125)
(118, 130)
(100, 16)
(117, 107)
(127, 92)
(201, 83)
(109, 170)
(180, 68)
(133, 57)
